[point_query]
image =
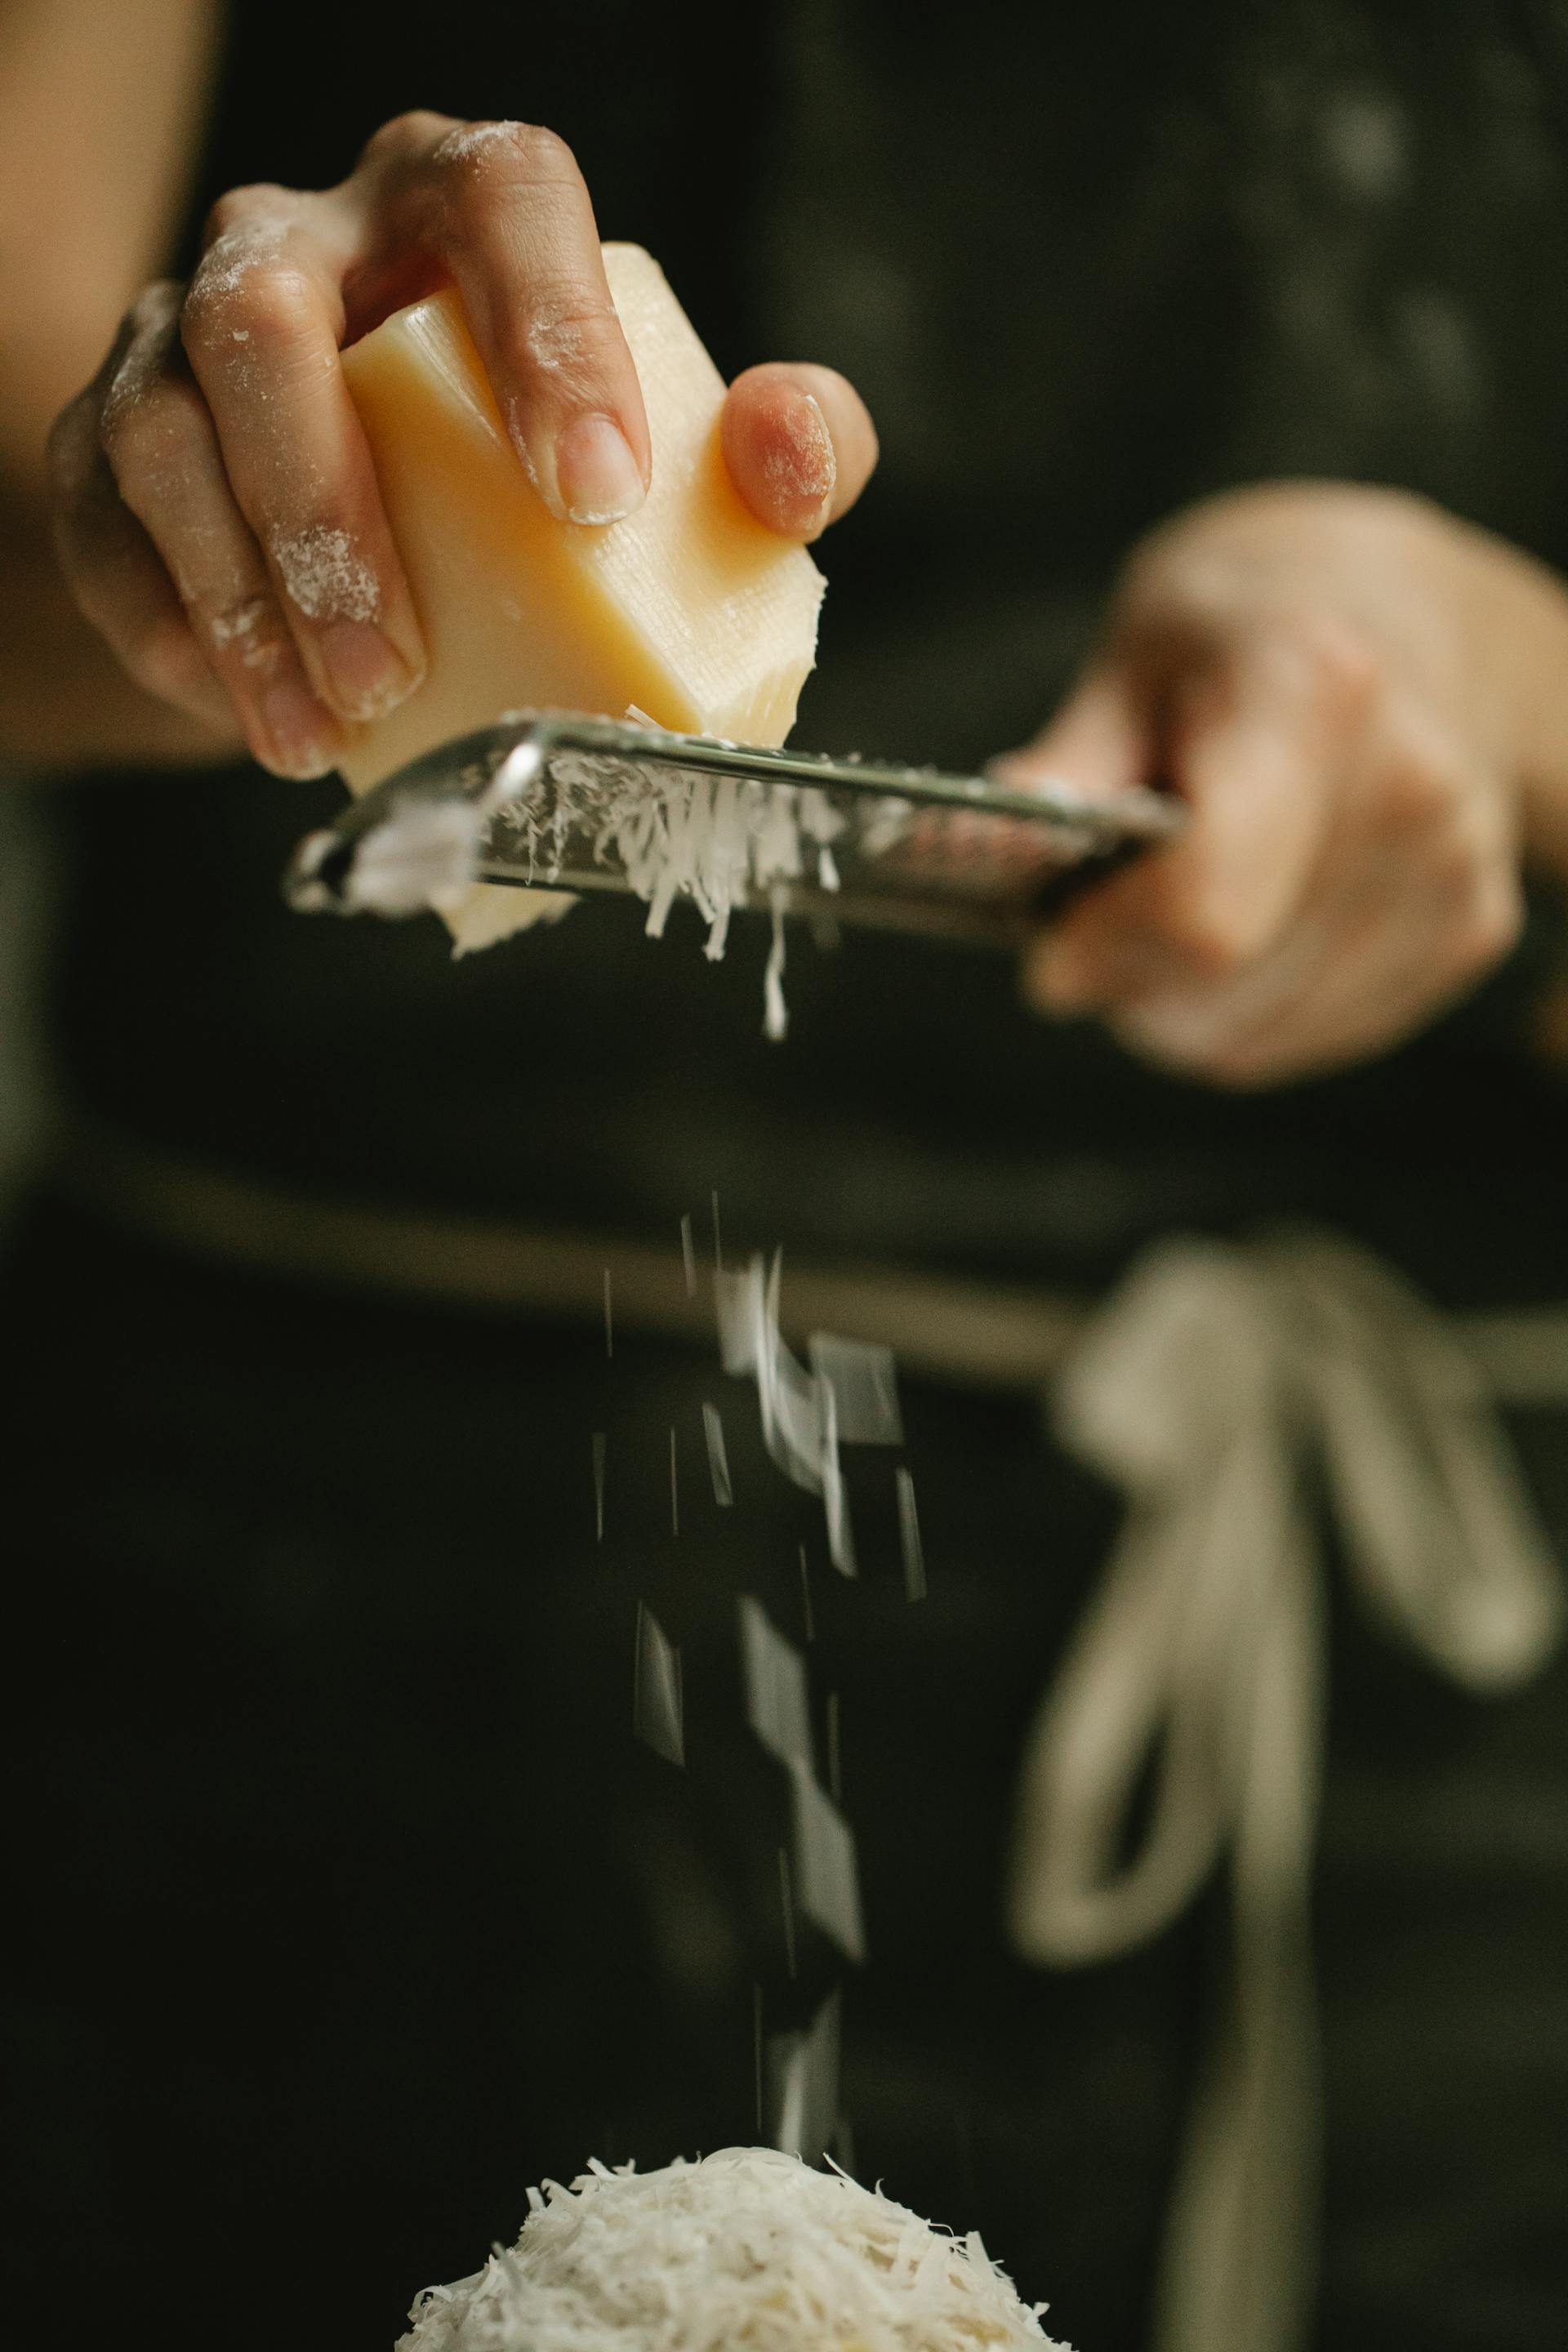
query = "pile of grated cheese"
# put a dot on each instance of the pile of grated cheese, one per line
(746, 2249)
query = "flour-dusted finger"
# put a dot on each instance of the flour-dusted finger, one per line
(505, 210)
(159, 445)
(116, 576)
(261, 327)
(799, 444)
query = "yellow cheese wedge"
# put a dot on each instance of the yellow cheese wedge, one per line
(689, 610)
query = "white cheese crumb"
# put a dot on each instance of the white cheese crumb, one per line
(718, 1457)
(425, 859)
(325, 575)
(720, 842)
(749, 2250)
(657, 1706)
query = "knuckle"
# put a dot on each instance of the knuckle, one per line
(545, 153)
(250, 631)
(267, 302)
(241, 208)
(146, 430)
(500, 155)
(564, 330)
(406, 137)
(279, 306)
(252, 277)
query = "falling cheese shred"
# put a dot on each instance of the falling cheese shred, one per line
(749, 2250)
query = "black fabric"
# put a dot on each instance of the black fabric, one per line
(590, 1078)
(347, 1906)
(646, 101)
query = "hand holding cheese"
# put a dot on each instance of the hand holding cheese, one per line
(219, 511)
(689, 610)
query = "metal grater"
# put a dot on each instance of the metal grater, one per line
(560, 801)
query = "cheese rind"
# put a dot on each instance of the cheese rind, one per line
(689, 610)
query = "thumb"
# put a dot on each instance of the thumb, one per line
(799, 444)
(1098, 742)
(1254, 748)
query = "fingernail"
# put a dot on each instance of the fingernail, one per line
(598, 478)
(302, 736)
(367, 674)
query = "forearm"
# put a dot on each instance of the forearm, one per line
(100, 107)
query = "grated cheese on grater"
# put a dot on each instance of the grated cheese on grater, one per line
(720, 843)
(747, 2249)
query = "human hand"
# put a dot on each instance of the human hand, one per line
(216, 507)
(1364, 703)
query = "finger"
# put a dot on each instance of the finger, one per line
(1396, 933)
(1097, 745)
(1224, 1028)
(116, 578)
(505, 208)
(1247, 1031)
(261, 329)
(1101, 742)
(160, 444)
(800, 445)
(1356, 993)
(1258, 754)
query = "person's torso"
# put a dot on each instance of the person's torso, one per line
(1086, 265)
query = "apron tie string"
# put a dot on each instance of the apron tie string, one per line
(1212, 1386)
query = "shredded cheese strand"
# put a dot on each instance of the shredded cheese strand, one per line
(719, 841)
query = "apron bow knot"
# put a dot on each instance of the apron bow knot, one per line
(1230, 1393)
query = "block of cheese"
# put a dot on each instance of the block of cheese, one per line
(689, 610)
